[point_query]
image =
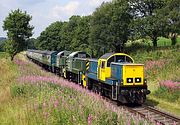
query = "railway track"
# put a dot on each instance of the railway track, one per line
(154, 114)
(148, 112)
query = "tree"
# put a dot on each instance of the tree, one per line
(69, 34)
(110, 27)
(31, 43)
(119, 26)
(146, 20)
(99, 29)
(172, 15)
(50, 39)
(18, 31)
(81, 34)
(155, 18)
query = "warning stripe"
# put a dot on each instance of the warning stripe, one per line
(87, 65)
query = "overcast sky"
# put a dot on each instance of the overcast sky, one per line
(44, 12)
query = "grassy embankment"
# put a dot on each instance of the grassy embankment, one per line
(30, 95)
(162, 66)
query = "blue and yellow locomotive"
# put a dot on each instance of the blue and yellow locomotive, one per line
(114, 75)
(117, 76)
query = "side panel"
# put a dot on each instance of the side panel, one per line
(79, 65)
(92, 71)
(116, 71)
(62, 61)
(93, 67)
(53, 59)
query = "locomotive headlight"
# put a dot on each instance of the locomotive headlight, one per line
(129, 80)
(138, 80)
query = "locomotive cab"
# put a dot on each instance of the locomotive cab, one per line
(104, 69)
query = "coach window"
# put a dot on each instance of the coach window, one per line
(103, 64)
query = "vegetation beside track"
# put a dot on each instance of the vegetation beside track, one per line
(30, 95)
(162, 72)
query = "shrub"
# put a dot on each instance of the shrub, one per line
(168, 90)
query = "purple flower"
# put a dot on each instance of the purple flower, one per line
(56, 103)
(170, 85)
(90, 118)
(151, 64)
(158, 123)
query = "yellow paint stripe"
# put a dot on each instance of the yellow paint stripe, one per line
(87, 64)
(87, 68)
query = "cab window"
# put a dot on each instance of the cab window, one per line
(103, 64)
(129, 60)
(109, 61)
(123, 59)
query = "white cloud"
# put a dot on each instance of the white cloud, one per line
(44, 12)
(61, 11)
(97, 2)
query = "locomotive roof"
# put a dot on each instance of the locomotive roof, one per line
(81, 58)
(49, 52)
(74, 53)
(106, 56)
(65, 53)
(42, 51)
(93, 60)
(36, 51)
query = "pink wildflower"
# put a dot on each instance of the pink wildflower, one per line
(174, 123)
(170, 84)
(151, 64)
(129, 122)
(90, 118)
(158, 123)
(56, 103)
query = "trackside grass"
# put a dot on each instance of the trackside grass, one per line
(34, 96)
(162, 69)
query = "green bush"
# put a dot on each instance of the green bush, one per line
(165, 93)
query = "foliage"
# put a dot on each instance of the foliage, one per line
(31, 43)
(51, 37)
(110, 27)
(152, 18)
(75, 33)
(161, 64)
(18, 31)
(112, 24)
(81, 34)
(71, 35)
(2, 42)
(165, 93)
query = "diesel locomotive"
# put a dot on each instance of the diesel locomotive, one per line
(114, 75)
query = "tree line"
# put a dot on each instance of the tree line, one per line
(111, 25)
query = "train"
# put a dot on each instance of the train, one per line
(113, 75)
